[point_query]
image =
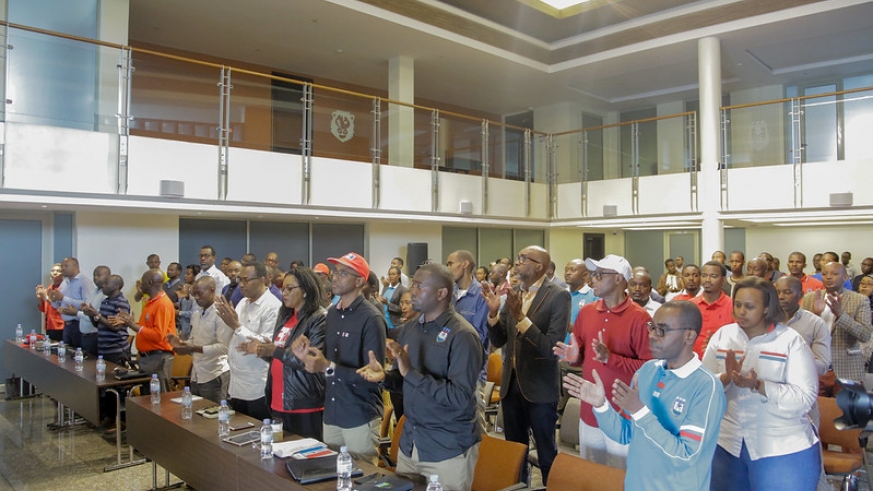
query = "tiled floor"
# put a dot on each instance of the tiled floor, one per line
(35, 458)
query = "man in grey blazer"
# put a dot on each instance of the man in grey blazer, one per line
(532, 321)
(847, 313)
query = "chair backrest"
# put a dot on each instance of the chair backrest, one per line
(499, 464)
(829, 434)
(395, 439)
(386, 422)
(182, 365)
(569, 432)
(495, 368)
(573, 473)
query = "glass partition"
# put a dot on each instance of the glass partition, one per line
(460, 145)
(174, 99)
(423, 138)
(342, 125)
(568, 157)
(497, 135)
(250, 112)
(858, 114)
(56, 81)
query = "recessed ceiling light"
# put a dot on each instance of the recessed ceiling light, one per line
(563, 4)
(44, 206)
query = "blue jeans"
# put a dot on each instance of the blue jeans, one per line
(798, 471)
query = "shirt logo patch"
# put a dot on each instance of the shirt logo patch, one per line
(441, 337)
(345, 334)
(678, 406)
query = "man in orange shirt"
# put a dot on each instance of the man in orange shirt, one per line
(715, 307)
(158, 319)
(796, 265)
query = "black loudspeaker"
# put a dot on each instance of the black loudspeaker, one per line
(416, 255)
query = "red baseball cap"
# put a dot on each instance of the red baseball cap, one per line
(355, 261)
(321, 268)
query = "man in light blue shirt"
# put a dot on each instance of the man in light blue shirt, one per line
(74, 290)
(468, 301)
(90, 308)
(670, 414)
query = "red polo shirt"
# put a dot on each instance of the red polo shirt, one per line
(625, 334)
(810, 284)
(715, 315)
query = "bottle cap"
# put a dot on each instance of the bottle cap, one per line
(434, 478)
(344, 449)
(267, 421)
(223, 402)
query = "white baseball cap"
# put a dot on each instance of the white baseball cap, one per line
(613, 262)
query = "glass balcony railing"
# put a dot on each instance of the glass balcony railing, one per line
(819, 126)
(60, 80)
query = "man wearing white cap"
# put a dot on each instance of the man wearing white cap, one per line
(609, 335)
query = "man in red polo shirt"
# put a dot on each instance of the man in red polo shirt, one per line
(715, 307)
(611, 336)
(158, 319)
(796, 265)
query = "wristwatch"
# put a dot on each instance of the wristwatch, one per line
(331, 369)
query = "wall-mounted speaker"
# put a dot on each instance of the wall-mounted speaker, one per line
(172, 189)
(841, 199)
(416, 255)
(610, 210)
(466, 207)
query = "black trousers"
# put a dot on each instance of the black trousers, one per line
(521, 416)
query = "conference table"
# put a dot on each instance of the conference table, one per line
(192, 450)
(77, 390)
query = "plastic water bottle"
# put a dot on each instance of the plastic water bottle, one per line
(62, 352)
(31, 339)
(187, 412)
(344, 466)
(434, 483)
(19, 334)
(267, 439)
(155, 389)
(47, 346)
(223, 419)
(79, 358)
(101, 369)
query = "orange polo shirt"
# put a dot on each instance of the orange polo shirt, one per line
(810, 284)
(158, 319)
(715, 315)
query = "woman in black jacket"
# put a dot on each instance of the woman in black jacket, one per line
(293, 394)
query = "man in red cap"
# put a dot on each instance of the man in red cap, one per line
(354, 328)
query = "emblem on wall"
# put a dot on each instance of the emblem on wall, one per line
(342, 125)
(760, 135)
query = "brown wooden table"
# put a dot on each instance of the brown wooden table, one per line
(193, 451)
(79, 391)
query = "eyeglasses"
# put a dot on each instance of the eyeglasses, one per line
(342, 273)
(288, 290)
(599, 274)
(522, 258)
(245, 281)
(659, 329)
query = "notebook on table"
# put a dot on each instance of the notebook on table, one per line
(390, 482)
(316, 470)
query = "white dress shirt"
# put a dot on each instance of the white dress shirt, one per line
(211, 333)
(775, 424)
(221, 280)
(248, 373)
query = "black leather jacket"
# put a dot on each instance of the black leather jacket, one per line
(303, 390)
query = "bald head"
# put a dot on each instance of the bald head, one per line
(152, 280)
(532, 263)
(757, 267)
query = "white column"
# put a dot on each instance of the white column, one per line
(401, 119)
(709, 76)
(114, 18)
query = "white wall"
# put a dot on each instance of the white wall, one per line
(387, 240)
(782, 241)
(153, 160)
(122, 241)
